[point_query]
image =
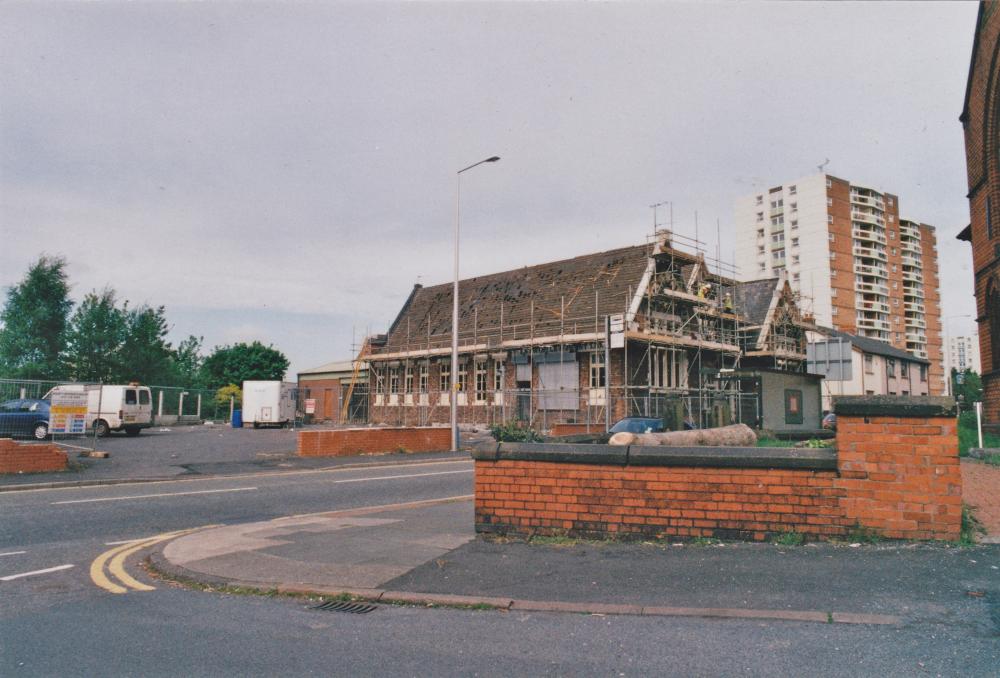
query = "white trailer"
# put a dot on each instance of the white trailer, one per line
(269, 403)
(114, 407)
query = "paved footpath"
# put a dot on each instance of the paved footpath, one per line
(981, 490)
(426, 553)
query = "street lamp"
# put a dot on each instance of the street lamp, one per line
(947, 352)
(454, 308)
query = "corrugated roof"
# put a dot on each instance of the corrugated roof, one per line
(869, 345)
(568, 294)
(339, 366)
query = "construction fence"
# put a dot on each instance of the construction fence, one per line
(24, 410)
(542, 409)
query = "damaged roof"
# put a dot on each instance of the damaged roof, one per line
(753, 299)
(587, 287)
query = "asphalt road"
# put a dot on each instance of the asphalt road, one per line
(59, 623)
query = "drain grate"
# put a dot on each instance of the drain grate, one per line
(344, 606)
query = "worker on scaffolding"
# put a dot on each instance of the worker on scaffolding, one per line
(727, 303)
(704, 290)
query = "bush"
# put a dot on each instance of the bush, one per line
(514, 432)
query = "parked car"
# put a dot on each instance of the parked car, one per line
(28, 417)
(830, 421)
(638, 425)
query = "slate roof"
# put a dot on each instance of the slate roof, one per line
(869, 345)
(752, 299)
(338, 366)
(612, 275)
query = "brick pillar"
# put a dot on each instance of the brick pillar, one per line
(898, 463)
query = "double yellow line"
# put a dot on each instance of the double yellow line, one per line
(115, 561)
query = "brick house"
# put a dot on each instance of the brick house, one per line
(630, 331)
(981, 123)
(329, 385)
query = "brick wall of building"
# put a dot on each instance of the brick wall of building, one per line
(326, 393)
(841, 249)
(30, 457)
(563, 429)
(897, 475)
(982, 138)
(355, 441)
(932, 308)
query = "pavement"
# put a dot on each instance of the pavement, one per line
(426, 553)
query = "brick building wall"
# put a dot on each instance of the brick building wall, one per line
(356, 441)
(30, 457)
(932, 306)
(895, 473)
(980, 123)
(842, 255)
(326, 393)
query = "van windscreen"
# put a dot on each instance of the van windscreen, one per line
(130, 396)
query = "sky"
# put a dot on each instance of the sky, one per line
(286, 172)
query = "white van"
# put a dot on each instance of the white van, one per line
(115, 407)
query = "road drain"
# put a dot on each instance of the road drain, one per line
(343, 606)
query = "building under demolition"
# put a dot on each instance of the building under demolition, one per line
(648, 330)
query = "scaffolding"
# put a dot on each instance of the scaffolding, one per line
(684, 343)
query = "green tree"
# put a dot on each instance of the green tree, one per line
(223, 395)
(145, 355)
(967, 387)
(240, 362)
(33, 322)
(188, 361)
(97, 331)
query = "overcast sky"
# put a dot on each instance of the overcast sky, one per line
(286, 172)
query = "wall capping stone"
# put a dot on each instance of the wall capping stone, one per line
(895, 406)
(642, 455)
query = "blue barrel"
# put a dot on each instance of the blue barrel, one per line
(237, 418)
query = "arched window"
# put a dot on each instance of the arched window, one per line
(993, 318)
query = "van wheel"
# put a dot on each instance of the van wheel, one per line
(132, 430)
(41, 431)
(102, 428)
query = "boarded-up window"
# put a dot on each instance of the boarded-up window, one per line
(793, 406)
(559, 385)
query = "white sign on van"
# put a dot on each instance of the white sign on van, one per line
(68, 412)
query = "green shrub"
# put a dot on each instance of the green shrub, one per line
(515, 432)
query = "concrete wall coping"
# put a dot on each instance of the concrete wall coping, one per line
(895, 406)
(641, 455)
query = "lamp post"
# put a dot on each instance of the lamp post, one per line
(947, 352)
(454, 307)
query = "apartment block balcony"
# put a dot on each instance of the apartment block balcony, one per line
(870, 253)
(775, 211)
(913, 307)
(868, 234)
(909, 260)
(872, 288)
(912, 276)
(911, 245)
(916, 338)
(916, 322)
(867, 217)
(867, 269)
(777, 228)
(908, 230)
(872, 306)
(874, 324)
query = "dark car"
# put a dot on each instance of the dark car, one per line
(28, 417)
(638, 425)
(830, 421)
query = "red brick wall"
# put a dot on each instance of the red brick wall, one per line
(574, 429)
(649, 501)
(902, 475)
(899, 478)
(30, 458)
(982, 137)
(354, 441)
